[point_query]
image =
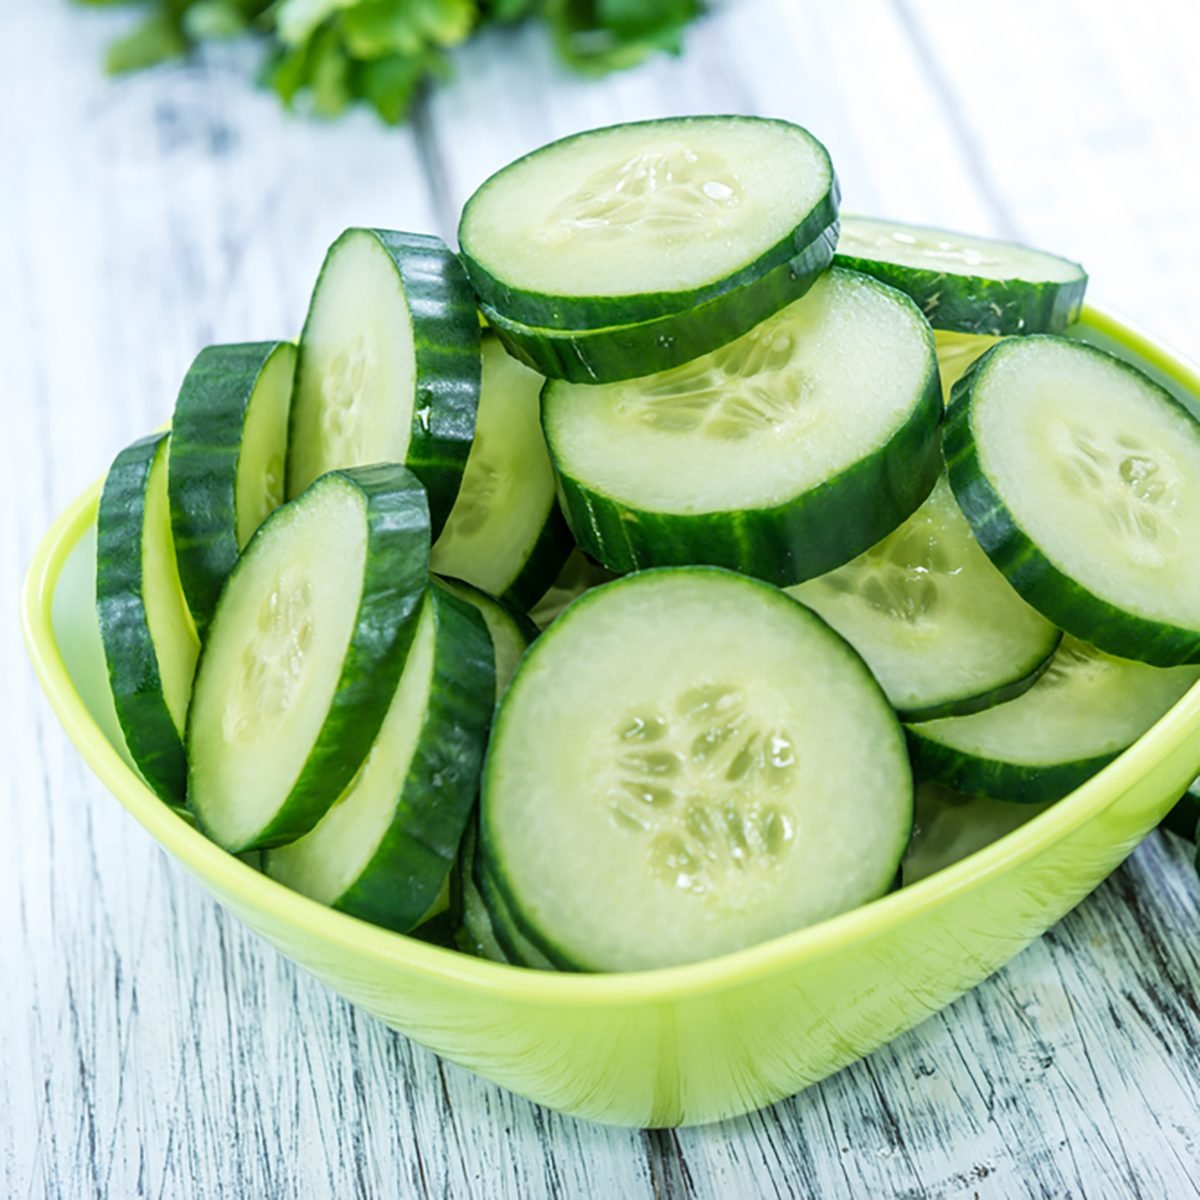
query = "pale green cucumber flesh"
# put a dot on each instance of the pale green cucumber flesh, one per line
(687, 763)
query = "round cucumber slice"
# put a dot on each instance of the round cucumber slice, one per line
(304, 654)
(967, 284)
(633, 222)
(1085, 709)
(228, 450)
(384, 851)
(511, 632)
(941, 628)
(689, 762)
(389, 364)
(505, 533)
(1081, 479)
(783, 455)
(150, 644)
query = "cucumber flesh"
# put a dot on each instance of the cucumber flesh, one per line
(304, 654)
(384, 851)
(940, 627)
(505, 533)
(967, 284)
(687, 763)
(1081, 479)
(782, 455)
(1084, 710)
(634, 222)
(388, 369)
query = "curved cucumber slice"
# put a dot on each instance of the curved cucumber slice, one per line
(505, 533)
(624, 351)
(967, 284)
(939, 626)
(955, 353)
(228, 450)
(150, 643)
(634, 222)
(783, 455)
(687, 763)
(384, 850)
(389, 364)
(511, 633)
(304, 654)
(1078, 717)
(1081, 479)
(512, 940)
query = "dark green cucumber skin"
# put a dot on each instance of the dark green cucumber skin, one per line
(1058, 597)
(1184, 819)
(154, 743)
(408, 869)
(481, 599)
(972, 304)
(600, 312)
(966, 705)
(395, 580)
(446, 338)
(551, 550)
(206, 442)
(807, 536)
(1019, 782)
(470, 938)
(626, 351)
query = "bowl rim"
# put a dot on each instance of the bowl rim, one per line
(251, 890)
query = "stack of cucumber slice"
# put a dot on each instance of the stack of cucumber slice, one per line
(619, 634)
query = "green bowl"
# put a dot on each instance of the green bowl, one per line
(686, 1044)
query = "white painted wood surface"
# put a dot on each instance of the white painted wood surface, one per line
(149, 1046)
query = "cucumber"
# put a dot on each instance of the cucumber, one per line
(967, 284)
(783, 455)
(1081, 479)
(1085, 709)
(304, 654)
(511, 632)
(955, 353)
(150, 644)
(389, 368)
(384, 851)
(939, 626)
(228, 450)
(623, 351)
(505, 533)
(634, 222)
(512, 941)
(477, 934)
(686, 763)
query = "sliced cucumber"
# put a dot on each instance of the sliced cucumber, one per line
(304, 654)
(689, 762)
(784, 454)
(511, 632)
(384, 851)
(512, 940)
(955, 353)
(228, 451)
(505, 533)
(389, 364)
(624, 351)
(150, 643)
(1081, 479)
(1085, 709)
(967, 284)
(939, 626)
(634, 222)
(477, 935)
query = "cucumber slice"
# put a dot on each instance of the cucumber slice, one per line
(149, 641)
(1081, 479)
(228, 450)
(304, 654)
(513, 942)
(505, 533)
(955, 353)
(477, 935)
(384, 851)
(939, 626)
(783, 455)
(633, 222)
(511, 633)
(687, 763)
(389, 365)
(967, 284)
(624, 351)
(1085, 709)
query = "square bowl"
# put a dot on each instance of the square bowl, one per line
(682, 1045)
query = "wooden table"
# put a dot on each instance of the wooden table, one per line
(152, 1047)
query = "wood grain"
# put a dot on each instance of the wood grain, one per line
(152, 1047)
